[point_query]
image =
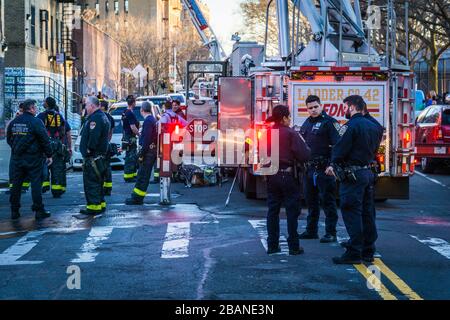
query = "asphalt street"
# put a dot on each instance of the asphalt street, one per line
(199, 249)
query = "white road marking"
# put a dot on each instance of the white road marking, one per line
(88, 251)
(431, 179)
(439, 245)
(176, 241)
(260, 227)
(24, 245)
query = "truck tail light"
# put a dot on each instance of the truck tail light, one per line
(406, 138)
(437, 133)
(381, 162)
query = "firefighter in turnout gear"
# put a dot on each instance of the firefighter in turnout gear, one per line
(130, 126)
(29, 143)
(107, 184)
(94, 148)
(56, 130)
(147, 154)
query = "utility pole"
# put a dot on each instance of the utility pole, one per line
(64, 62)
(175, 69)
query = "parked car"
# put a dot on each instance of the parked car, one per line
(157, 100)
(433, 137)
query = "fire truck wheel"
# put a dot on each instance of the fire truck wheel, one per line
(428, 165)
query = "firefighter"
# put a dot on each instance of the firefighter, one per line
(320, 132)
(353, 153)
(56, 130)
(107, 184)
(283, 188)
(94, 148)
(147, 154)
(130, 133)
(26, 183)
(29, 142)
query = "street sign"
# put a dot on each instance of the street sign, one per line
(60, 58)
(197, 126)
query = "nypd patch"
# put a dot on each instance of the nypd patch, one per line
(342, 130)
(92, 125)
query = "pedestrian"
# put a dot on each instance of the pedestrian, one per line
(354, 152)
(431, 98)
(93, 148)
(283, 188)
(176, 107)
(170, 116)
(55, 124)
(29, 143)
(107, 184)
(320, 132)
(130, 126)
(147, 154)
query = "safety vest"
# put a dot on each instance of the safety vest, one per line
(54, 125)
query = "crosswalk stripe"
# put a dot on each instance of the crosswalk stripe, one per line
(24, 245)
(260, 227)
(176, 240)
(88, 251)
(439, 245)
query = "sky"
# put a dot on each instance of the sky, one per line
(225, 20)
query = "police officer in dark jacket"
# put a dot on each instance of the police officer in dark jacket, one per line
(107, 184)
(94, 148)
(56, 130)
(320, 132)
(130, 126)
(29, 142)
(283, 188)
(354, 152)
(147, 154)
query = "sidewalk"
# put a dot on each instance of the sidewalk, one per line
(5, 151)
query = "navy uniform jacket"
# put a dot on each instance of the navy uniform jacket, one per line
(149, 134)
(54, 123)
(358, 144)
(111, 121)
(128, 119)
(320, 134)
(95, 135)
(292, 147)
(374, 121)
(28, 138)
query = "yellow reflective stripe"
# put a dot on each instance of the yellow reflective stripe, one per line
(46, 184)
(139, 192)
(107, 184)
(156, 174)
(103, 204)
(129, 175)
(26, 184)
(10, 185)
(94, 207)
(135, 174)
(57, 187)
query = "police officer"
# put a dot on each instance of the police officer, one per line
(320, 132)
(283, 188)
(107, 184)
(56, 129)
(130, 133)
(29, 142)
(147, 154)
(354, 152)
(94, 148)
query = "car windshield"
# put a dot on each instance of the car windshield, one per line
(117, 126)
(119, 110)
(446, 116)
(158, 101)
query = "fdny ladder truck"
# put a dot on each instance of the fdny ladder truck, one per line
(339, 61)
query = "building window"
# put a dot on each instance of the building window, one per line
(33, 25)
(106, 6)
(116, 6)
(57, 36)
(52, 36)
(125, 6)
(46, 35)
(97, 9)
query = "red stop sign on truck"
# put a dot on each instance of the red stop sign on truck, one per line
(197, 126)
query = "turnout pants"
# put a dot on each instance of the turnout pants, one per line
(25, 185)
(22, 169)
(130, 166)
(107, 183)
(319, 190)
(93, 178)
(58, 175)
(143, 176)
(283, 189)
(358, 213)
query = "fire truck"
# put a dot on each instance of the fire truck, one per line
(340, 60)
